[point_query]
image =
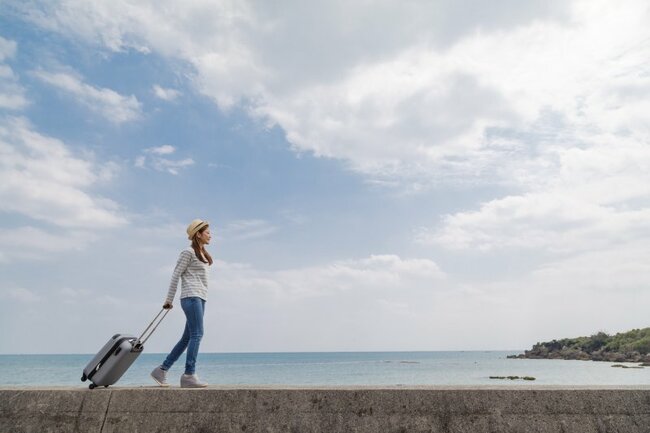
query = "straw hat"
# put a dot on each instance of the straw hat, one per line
(194, 227)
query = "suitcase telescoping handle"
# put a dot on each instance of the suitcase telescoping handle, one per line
(149, 330)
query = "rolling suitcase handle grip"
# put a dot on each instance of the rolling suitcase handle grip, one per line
(140, 341)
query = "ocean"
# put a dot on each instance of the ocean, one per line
(332, 369)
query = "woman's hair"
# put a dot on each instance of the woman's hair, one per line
(199, 250)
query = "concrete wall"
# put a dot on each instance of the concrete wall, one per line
(328, 410)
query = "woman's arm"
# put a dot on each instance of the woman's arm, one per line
(181, 265)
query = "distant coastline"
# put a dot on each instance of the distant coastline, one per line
(630, 346)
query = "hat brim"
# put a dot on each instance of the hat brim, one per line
(196, 229)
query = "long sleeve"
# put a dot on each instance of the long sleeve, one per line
(181, 265)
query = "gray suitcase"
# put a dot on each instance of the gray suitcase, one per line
(117, 355)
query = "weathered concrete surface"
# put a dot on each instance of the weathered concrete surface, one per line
(327, 410)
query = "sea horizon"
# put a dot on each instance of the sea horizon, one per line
(284, 351)
(471, 367)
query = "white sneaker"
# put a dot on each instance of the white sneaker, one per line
(160, 376)
(192, 381)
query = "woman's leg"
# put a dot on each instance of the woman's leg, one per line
(194, 308)
(178, 350)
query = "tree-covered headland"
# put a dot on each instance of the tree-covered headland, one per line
(630, 346)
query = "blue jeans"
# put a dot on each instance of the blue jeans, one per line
(193, 308)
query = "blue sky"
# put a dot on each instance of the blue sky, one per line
(430, 176)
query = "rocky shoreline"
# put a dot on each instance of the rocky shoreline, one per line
(580, 355)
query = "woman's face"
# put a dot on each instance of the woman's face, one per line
(204, 236)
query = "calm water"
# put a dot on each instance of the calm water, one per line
(332, 368)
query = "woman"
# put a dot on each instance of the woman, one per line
(192, 269)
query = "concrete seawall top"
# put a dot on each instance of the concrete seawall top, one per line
(327, 410)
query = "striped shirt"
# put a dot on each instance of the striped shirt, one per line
(193, 274)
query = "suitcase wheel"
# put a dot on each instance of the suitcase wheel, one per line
(83, 378)
(92, 386)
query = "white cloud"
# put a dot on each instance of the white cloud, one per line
(165, 149)
(581, 175)
(246, 229)
(19, 294)
(154, 159)
(424, 111)
(422, 101)
(140, 161)
(165, 94)
(623, 271)
(513, 94)
(41, 179)
(172, 166)
(360, 304)
(168, 230)
(569, 297)
(74, 293)
(106, 102)
(598, 197)
(377, 273)
(7, 48)
(65, 295)
(31, 243)
(12, 94)
(389, 302)
(85, 296)
(556, 222)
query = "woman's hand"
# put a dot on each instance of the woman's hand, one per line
(167, 306)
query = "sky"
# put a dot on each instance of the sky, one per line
(378, 175)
